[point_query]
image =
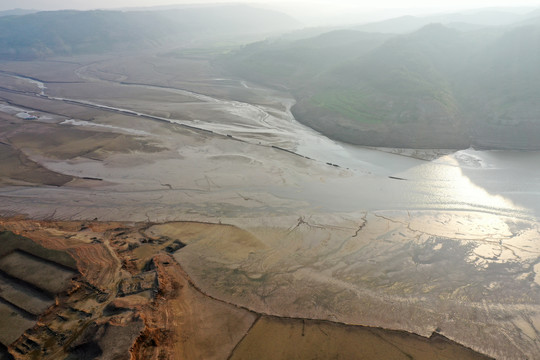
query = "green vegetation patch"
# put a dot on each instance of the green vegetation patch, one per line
(354, 104)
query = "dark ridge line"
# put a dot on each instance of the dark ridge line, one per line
(396, 178)
(259, 317)
(113, 110)
(22, 312)
(291, 152)
(23, 286)
(80, 313)
(434, 334)
(22, 282)
(148, 224)
(58, 82)
(397, 347)
(25, 160)
(134, 113)
(378, 148)
(21, 75)
(97, 107)
(142, 115)
(194, 127)
(62, 61)
(145, 116)
(12, 103)
(165, 87)
(91, 287)
(51, 262)
(19, 91)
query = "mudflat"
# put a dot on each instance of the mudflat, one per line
(168, 172)
(273, 338)
(148, 306)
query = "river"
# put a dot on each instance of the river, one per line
(498, 182)
(376, 237)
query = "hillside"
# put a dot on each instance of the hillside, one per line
(436, 87)
(293, 63)
(54, 33)
(16, 12)
(467, 20)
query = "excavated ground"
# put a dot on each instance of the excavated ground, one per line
(429, 241)
(81, 290)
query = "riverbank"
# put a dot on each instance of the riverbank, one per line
(150, 306)
(317, 229)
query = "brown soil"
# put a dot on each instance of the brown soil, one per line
(145, 304)
(16, 169)
(275, 338)
(69, 142)
(21, 139)
(133, 304)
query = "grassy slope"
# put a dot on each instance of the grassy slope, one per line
(391, 79)
(298, 63)
(437, 87)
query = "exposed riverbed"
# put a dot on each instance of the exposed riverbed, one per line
(342, 232)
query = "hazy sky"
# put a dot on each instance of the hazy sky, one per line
(307, 10)
(86, 4)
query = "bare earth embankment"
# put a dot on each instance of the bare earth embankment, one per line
(131, 299)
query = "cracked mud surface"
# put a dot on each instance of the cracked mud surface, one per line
(316, 229)
(147, 307)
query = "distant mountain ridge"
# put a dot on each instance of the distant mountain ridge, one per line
(465, 19)
(437, 87)
(68, 32)
(16, 12)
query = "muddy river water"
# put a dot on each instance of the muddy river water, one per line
(501, 182)
(450, 243)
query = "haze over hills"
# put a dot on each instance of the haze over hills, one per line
(159, 198)
(58, 33)
(17, 12)
(468, 80)
(436, 87)
(464, 20)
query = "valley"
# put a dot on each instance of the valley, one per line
(246, 213)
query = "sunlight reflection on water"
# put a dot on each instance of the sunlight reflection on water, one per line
(447, 183)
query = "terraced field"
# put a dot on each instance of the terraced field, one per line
(29, 282)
